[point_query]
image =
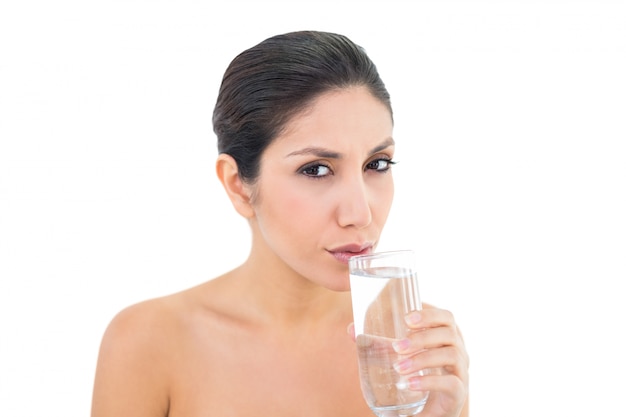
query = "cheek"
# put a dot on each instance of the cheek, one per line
(291, 210)
(381, 205)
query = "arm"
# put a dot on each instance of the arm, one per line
(130, 374)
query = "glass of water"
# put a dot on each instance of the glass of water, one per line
(384, 289)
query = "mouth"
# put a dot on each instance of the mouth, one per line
(344, 253)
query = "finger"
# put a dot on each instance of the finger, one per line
(446, 384)
(429, 317)
(448, 360)
(376, 351)
(427, 339)
(375, 344)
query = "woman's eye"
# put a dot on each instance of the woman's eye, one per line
(380, 165)
(316, 171)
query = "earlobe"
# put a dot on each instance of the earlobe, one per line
(228, 174)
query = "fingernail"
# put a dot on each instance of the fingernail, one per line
(413, 318)
(415, 384)
(401, 345)
(403, 365)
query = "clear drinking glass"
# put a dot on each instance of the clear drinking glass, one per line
(384, 289)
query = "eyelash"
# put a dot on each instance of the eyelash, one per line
(317, 165)
(387, 161)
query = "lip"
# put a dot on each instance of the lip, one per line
(344, 253)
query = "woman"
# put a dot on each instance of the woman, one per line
(304, 126)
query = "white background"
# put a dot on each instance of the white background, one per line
(511, 182)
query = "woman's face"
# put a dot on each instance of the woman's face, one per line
(325, 186)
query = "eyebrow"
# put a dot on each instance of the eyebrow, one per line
(326, 153)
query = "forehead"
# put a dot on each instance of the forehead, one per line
(344, 118)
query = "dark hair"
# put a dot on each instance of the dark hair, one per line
(268, 84)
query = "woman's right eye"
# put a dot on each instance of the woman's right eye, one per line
(316, 171)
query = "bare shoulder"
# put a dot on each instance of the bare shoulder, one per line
(143, 326)
(132, 373)
(144, 348)
(151, 327)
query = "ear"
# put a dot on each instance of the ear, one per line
(239, 194)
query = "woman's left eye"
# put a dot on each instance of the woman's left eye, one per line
(316, 171)
(380, 165)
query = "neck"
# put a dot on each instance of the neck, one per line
(278, 295)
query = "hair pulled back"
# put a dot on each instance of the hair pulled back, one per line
(268, 84)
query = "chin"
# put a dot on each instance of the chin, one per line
(339, 288)
(341, 284)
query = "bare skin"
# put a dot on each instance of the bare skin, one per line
(178, 367)
(269, 337)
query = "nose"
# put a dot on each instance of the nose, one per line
(354, 208)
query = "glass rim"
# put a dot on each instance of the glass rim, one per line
(383, 254)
